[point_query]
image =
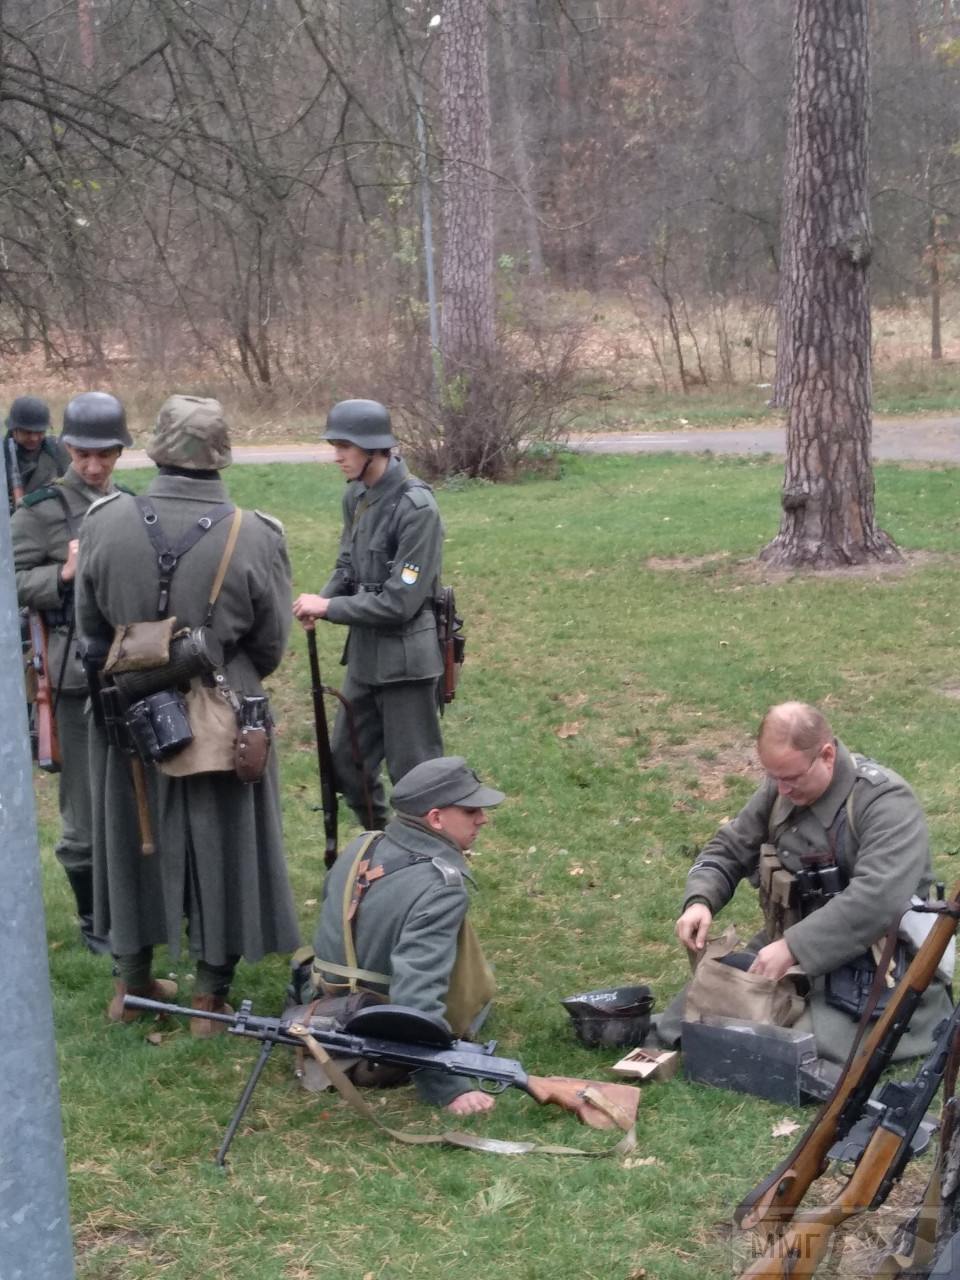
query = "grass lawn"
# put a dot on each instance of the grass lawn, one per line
(622, 647)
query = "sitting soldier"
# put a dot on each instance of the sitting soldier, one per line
(393, 919)
(848, 840)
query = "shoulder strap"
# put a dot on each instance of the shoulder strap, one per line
(168, 557)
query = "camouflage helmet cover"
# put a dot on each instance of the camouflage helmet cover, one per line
(365, 423)
(191, 432)
(28, 413)
(95, 420)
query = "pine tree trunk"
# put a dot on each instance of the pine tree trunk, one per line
(828, 513)
(467, 334)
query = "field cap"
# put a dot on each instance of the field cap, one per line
(191, 432)
(434, 784)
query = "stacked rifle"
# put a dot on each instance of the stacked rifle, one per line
(877, 1134)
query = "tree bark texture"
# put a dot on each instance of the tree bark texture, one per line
(828, 513)
(467, 330)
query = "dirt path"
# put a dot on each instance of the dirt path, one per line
(894, 439)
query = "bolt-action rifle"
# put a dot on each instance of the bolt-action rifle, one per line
(328, 787)
(776, 1198)
(408, 1038)
(48, 741)
(44, 722)
(879, 1146)
(453, 645)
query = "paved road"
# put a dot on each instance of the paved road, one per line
(895, 439)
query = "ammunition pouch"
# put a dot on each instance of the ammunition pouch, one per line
(779, 894)
(848, 988)
(159, 726)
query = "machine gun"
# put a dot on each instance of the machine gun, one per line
(778, 1195)
(407, 1038)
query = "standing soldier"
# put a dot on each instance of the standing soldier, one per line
(383, 587)
(45, 529)
(218, 856)
(39, 458)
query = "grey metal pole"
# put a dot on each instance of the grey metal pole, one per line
(35, 1239)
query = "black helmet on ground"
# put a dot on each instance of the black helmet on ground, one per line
(28, 413)
(95, 420)
(365, 423)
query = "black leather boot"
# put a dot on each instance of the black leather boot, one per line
(81, 882)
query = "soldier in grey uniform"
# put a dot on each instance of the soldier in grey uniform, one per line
(847, 837)
(45, 529)
(393, 919)
(384, 583)
(219, 857)
(40, 458)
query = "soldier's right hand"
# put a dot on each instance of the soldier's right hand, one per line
(693, 927)
(68, 570)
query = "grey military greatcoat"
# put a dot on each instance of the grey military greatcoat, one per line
(41, 529)
(872, 819)
(219, 858)
(383, 586)
(408, 928)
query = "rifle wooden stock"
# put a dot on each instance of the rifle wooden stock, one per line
(778, 1195)
(601, 1106)
(801, 1248)
(328, 790)
(13, 472)
(48, 741)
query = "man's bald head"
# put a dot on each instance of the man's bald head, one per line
(796, 725)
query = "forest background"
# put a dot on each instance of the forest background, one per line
(230, 198)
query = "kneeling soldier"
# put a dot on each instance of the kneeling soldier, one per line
(393, 919)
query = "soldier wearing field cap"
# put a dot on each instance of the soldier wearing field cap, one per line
(32, 457)
(219, 858)
(383, 586)
(393, 919)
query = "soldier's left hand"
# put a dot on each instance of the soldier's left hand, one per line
(774, 960)
(307, 606)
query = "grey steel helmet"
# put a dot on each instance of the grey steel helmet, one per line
(365, 423)
(28, 413)
(95, 420)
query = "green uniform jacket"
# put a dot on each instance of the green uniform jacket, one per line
(37, 468)
(41, 528)
(886, 858)
(386, 577)
(406, 926)
(219, 842)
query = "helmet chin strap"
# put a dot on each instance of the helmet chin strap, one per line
(363, 470)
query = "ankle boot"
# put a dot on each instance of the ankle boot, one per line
(205, 1028)
(156, 989)
(81, 882)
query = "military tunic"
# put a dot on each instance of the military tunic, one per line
(386, 577)
(38, 467)
(41, 529)
(408, 926)
(882, 848)
(219, 857)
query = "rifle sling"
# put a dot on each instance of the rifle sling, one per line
(453, 1137)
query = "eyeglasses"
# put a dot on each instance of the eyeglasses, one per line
(792, 779)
